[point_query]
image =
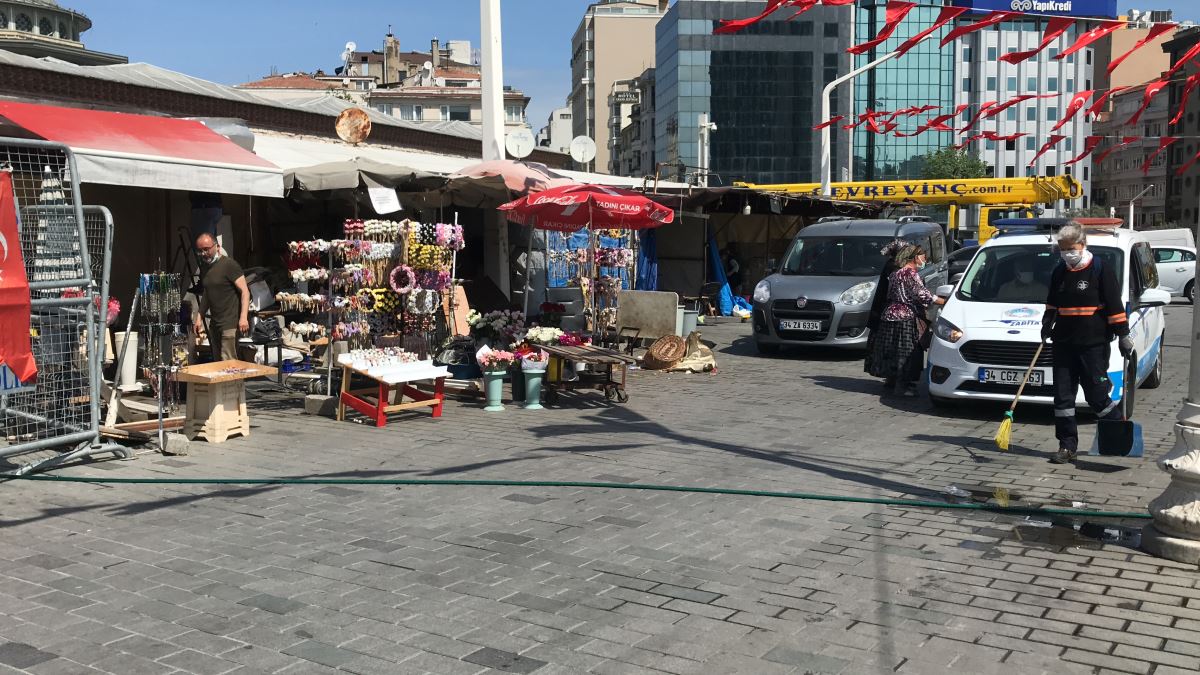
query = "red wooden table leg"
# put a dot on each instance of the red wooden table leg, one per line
(381, 404)
(439, 394)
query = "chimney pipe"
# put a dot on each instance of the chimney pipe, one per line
(435, 53)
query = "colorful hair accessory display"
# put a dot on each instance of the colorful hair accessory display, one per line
(402, 279)
(310, 274)
(433, 280)
(450, 236)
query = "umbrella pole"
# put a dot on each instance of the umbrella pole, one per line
(528, 268)
(593, 270)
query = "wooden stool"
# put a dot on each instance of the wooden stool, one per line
(216, 402)
(216, 411)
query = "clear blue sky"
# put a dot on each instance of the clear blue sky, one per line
(232, 41)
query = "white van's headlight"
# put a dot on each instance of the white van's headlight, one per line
(858, 294)
(762, 292)
(947, 331)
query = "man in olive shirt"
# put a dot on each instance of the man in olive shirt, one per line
(226, 299)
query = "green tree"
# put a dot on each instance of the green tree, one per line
(952, 163)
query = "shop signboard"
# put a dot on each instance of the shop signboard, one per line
(626, 97)
(1082, 8)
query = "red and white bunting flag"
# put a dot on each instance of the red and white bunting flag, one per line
(1055, 139)
(737, 25)
(830, 122)
(1152, 89)
(1183, 61)
(948, 14)
(1089, 145)
(995, 136)
(1156, 31)
(1098, 106)
(1125, 140)
(1077, 102)
(1183, 169)
(1192, 81)
(1102, 29)
(896, 11)
(983, 111)
(965, 144)
(989, 20)
(1056, 27)
(1163, 143)
(1016, 100)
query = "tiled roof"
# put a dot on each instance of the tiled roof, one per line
(457, 74)
(291, 81)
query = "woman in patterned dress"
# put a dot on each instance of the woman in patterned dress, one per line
(897, 353)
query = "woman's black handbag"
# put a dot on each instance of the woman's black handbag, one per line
(266, 331)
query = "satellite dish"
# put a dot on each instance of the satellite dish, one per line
(519, 143)
(353, 125)
(583, 149)
(350, 46)
(428, 65)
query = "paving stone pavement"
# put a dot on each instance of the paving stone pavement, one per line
(131, 579)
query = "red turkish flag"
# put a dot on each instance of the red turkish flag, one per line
(1055, 28)
(1192, 81)
(838, 2)
(1089, 145)
(1102, 29)
(989, 20)
(995, 136)
(1151, 90)
(983, 109)
(1098, 106)
(1156, 31)
(1055, 139)
(969, 141)
(1183, 169)
(948, 14)
(1163, 143)
(1126, 140)
(1183, 61)
(735, 25)
(830, 122)
(1077, 102)
(896, 11)
(16, 350)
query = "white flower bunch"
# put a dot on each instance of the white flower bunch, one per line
(543, 335)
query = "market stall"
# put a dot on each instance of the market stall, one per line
(386, 290)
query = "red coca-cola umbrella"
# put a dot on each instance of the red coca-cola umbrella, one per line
(570, 208)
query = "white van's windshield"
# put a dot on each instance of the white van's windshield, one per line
(835, 256)
(1021, 274)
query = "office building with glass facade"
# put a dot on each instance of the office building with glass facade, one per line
(761, 87)
(923, 76)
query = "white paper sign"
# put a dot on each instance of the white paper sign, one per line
(383, 199)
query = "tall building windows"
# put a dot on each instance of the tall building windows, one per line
(1052, 84)
(966, 85)
(1012, 84)
(1031, 84)
(991, 84)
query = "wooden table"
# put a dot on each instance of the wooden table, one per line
(375, 402)
(611, 380)
(216, 400)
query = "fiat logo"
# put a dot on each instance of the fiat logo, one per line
(801, 303)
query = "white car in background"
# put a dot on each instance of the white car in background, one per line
(1177, 270)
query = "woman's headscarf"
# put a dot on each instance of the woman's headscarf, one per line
(908, 253)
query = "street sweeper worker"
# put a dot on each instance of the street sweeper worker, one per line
(1084, 312)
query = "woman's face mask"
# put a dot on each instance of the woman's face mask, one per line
(920, 262)
(1072, 258)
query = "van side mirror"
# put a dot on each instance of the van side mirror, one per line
(945, 292)
(1154, 297)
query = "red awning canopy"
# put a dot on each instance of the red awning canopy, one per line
(146, 151)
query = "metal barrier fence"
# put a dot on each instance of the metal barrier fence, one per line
(61, 409)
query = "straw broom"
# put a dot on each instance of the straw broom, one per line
(1004, 434)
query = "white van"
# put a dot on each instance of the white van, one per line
(989, 329)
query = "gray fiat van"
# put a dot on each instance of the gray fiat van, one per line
(822, 292)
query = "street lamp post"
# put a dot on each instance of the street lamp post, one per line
(1150, 189)
(827, 132)
(704, 148)
(491, 79)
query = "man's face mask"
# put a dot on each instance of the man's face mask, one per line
(1072, 258)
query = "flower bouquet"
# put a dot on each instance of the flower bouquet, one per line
(543, 335)
(534, 360)
(495, 360)
(500, 327)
